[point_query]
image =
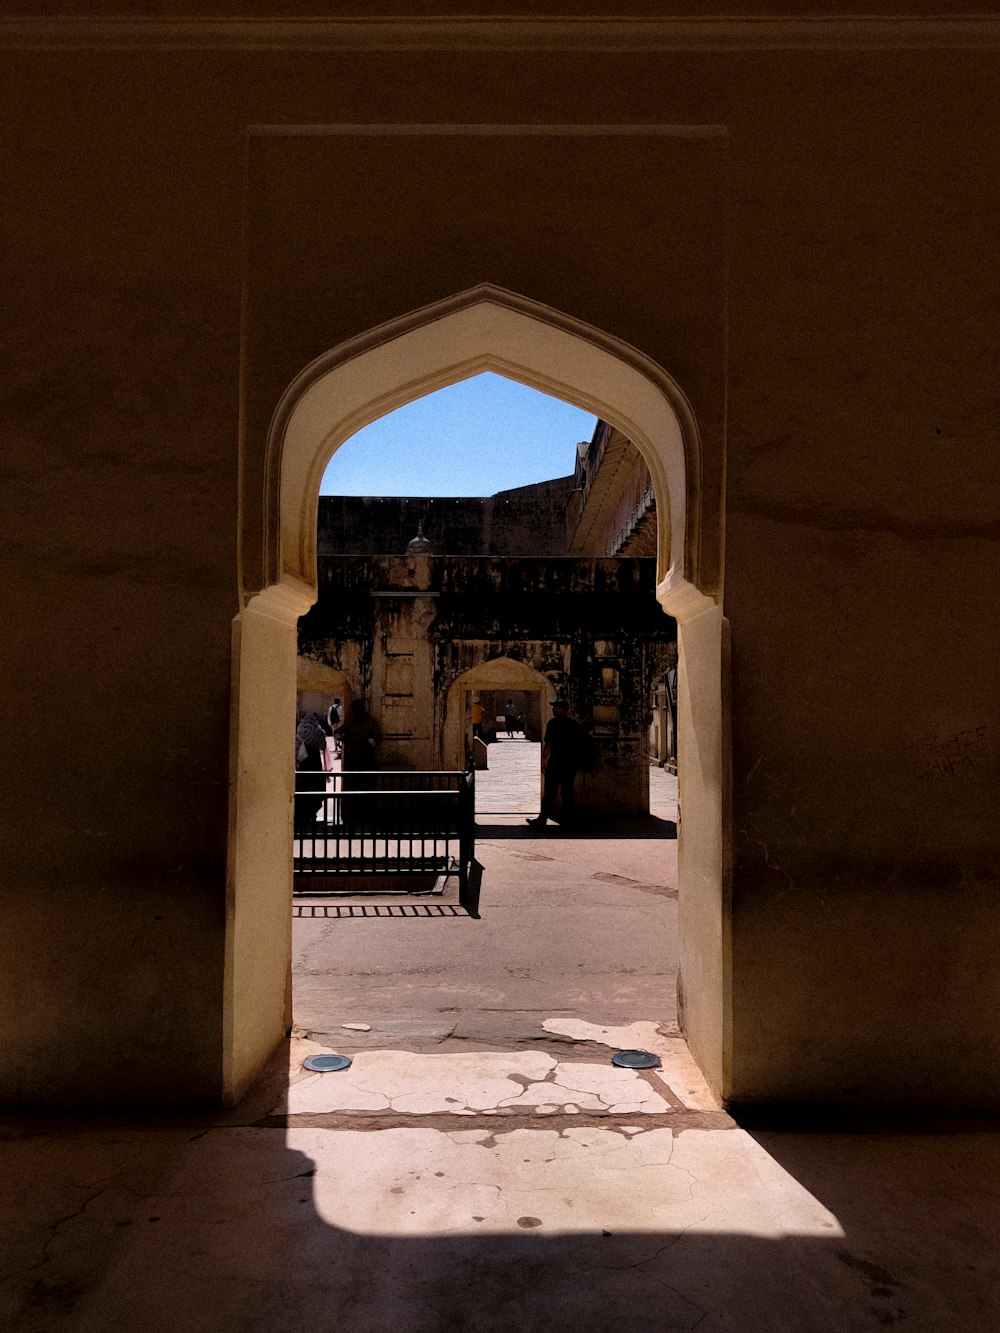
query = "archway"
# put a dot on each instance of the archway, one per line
(317, 685)
(482, 329)
(499, 673)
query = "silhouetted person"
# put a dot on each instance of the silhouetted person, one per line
(359, 737)
(561, 748)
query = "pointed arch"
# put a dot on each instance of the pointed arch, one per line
(485, 328)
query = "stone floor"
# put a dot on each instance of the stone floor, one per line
(482, 1167)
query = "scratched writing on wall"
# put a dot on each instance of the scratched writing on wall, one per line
(947, 754)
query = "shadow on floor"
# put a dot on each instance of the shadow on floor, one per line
(221, 1229)
(469, 896)
(647, 827)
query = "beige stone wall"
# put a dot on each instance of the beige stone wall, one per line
(811, 255)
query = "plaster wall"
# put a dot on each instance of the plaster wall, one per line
(819, 275)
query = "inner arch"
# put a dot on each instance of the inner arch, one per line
(482, 329)
(497, 673)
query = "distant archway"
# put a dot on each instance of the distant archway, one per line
(498, 673)
(343, 390)
(317, 685)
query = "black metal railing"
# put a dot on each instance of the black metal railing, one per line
(402, 824)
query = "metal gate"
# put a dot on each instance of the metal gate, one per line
(402, 825)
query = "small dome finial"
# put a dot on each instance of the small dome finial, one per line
(419, 545)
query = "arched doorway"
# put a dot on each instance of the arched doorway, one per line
(499, 674)
(482, 329)
(318, 685)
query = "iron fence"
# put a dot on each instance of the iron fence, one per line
(400, 824)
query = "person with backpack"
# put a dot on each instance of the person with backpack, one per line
(510, 716)
(310, 780)
(334, 717)
(563, 746)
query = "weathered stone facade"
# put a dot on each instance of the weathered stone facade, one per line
(417, 636)
(528, 518)
(612, 508)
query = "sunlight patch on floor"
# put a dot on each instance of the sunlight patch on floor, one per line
(410, 1182)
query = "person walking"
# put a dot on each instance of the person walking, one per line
(510, 716)
(561, 748)
(334, 717)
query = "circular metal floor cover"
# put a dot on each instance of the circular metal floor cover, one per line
(635, 1060)
(325, 1064)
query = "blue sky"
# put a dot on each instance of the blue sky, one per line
(483, 435)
